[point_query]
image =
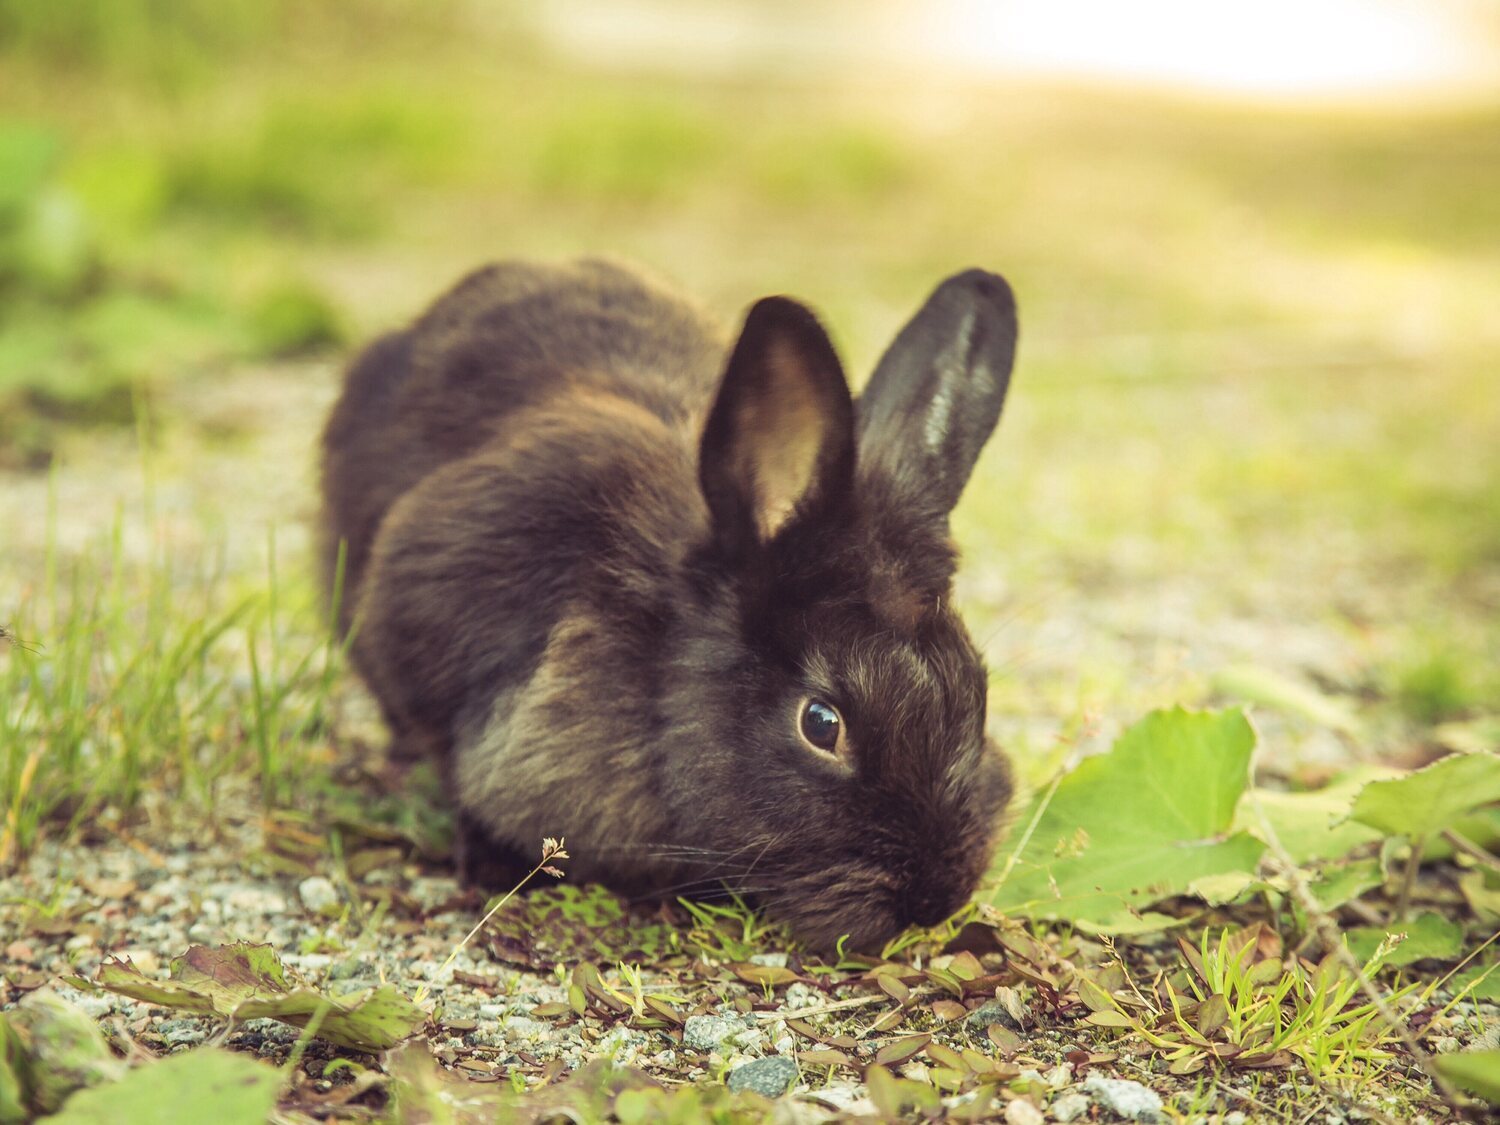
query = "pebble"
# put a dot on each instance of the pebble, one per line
(770, 960)
(782, 1041)
(1236, 1117)
(1129, 1099)
(178, 1032)
(318, 894)
(752, 1040)
(771, 1076)
(705, 1033)
(1070, 1107)
(799, 995)
(1022, 1112)
(254, 900)
(848, 1097)
(95, 1005)
(525, 1028)
(622, 1045)
(992, 1011)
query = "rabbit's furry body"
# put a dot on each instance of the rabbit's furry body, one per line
(599, 575)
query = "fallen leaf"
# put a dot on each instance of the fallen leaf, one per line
(244, 981)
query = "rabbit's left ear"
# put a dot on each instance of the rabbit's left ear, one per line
(936, 394)
(779, 439)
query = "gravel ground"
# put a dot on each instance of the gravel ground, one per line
(149, 896)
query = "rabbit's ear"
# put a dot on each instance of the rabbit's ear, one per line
(936, 394)
(779, 439)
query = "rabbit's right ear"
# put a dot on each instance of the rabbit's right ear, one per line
(937, 392)
(779, 440)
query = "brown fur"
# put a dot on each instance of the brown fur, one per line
(597, 580)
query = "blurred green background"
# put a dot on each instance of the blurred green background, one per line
(1256, 417)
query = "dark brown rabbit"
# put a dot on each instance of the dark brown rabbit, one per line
(692, 613)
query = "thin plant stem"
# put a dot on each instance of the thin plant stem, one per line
(552, 851)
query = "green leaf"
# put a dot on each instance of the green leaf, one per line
(1430, 799)
(202, 1085)
(1484, 979)
(1427, 936)
(1226, 887)
(1475, 1071)
(1314, 824)
(245, 981)
(1254, 684)
(1136, 825)
(1345, 884)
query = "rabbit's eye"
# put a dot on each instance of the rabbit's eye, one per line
(822, 726)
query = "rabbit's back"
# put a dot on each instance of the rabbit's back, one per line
(507, 337)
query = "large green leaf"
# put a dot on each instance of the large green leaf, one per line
(1475, 1071)
(1428, 935)
(244, 982)
(1314, 824)
(202, 1085)
(1136, 825)
(1430, 799)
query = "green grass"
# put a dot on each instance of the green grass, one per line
(131, 679)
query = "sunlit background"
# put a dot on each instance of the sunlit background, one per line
(1256, 245)
(1278, 48)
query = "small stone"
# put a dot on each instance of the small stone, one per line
(771, 1076)
(799, 995)
(1129, 1099)
(770, 960)
(1059, 1076)
(846, 1096)
(318, 894)
(94, 1005)
(992, 1011)
(522, 1027)
(1235, 1117)
(180, 1032)
(1070, 1107)
(752, 1040)
(705, 1033)
(241, 901)
(1022, 1112)
(781, 1038)
(622, 1045)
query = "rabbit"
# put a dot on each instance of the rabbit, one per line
(683, 602)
